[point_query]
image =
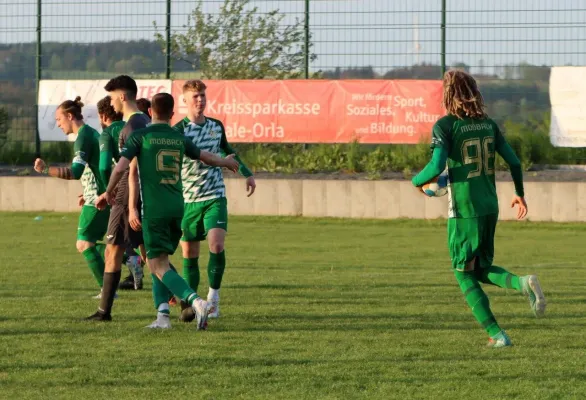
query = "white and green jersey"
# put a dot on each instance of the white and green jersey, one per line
(200, 181)
(90, 186)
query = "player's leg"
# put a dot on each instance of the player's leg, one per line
(193, 233)
(216, 226)
(133, 261)
(498, 276)
(464, 240)
(116, 236)
(161, 238)
(91, 228)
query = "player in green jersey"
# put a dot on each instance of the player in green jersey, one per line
(204, 192)
(159, 150)
(85, 166)
(112, 123)
(468, 141)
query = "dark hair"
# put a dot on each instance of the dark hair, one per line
(105, 108)
(143, 105)
(72, 107)
(162, 106)
(124, 83)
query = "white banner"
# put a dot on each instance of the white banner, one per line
(54, 92)
(567, 94)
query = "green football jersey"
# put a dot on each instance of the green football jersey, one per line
(109, 139)
(471, 145)
(202, 182)
(160, 150)
(87, 153)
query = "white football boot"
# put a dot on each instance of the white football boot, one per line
(162, 322)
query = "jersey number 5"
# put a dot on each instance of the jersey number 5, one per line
(168, 162)
(481, 155)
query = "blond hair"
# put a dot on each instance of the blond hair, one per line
(461, 96)
(194, 85)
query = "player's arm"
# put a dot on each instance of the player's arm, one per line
(133, 218)
(440, 146)
(193, 152)
(433, 168)
(75, 171)
(106, 146)
(505, 150)
(228, 150)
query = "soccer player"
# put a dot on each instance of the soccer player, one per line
(112, 123)
(143, 105)
(160, 149)
(124, 225)
(468, 140)
(204, 192)
(85, 166)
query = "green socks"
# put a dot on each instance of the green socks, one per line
(101, 247)
(178, 286)
(96, 263)
(478, 302)
(191, 272)
(499, 277)
(161, 294)
(216, 266)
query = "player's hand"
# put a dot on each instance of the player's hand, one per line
(250, 186)
(520, 201)
(80, 200)
(231, 163)
(134, 220)
(103, 200)
(39, 165)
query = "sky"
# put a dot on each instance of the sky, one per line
(346, 33)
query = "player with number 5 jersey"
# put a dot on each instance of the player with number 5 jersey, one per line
(159, 150)
(468, 140)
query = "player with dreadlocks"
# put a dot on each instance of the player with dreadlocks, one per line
(468, 140)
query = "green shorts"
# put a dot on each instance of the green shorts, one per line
(93, 224)
(200, 217)
(161, 235)
(472, 237)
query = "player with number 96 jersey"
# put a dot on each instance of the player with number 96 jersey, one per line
(468, 141)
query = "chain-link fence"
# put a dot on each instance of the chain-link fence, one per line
(510, 46)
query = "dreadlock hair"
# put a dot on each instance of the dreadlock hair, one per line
(72, 107)
(461, 96)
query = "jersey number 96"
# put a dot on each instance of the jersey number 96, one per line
(481, 155)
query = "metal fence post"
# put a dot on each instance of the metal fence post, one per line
(38, 76)
(306, 39)
(443, 29)
(168, 40)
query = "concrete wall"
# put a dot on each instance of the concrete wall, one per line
(563, 201)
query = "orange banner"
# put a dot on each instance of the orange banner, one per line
(321, 111)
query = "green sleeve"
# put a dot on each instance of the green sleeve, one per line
(132, 146)
(441, 136)
(105, 156)
(81, 150)
(191, 150)
(508, 154)
(435, 167)
(226, 149)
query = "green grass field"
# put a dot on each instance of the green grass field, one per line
(312, 309)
